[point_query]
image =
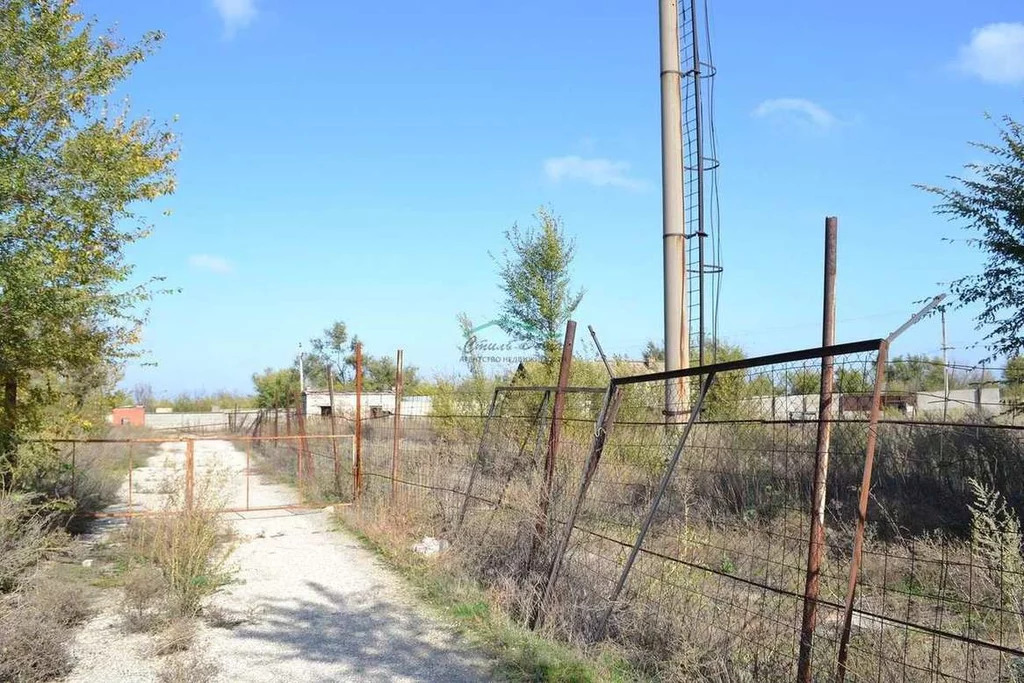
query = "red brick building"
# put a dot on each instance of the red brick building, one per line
(134, 416)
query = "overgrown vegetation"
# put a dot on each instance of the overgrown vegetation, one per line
(734, 517)
(73, 166)
(521, 655)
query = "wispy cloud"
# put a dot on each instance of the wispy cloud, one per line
(995, 54)
(211, 263)
(236, 14)
(797, 108)
(597, 172)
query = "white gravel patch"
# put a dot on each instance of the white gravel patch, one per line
(307, 603)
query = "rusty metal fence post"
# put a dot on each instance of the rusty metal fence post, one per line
(396, 429)
(862, 510)
(666, 478)
(357, 465)
(190, 466)
(554, 436)
(816, 543)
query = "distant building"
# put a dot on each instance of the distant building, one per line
(134, 416)
(373, 403)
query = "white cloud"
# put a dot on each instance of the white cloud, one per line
(596, 172)
(214, 264)
(236, 14)
(799, 108)
(995, 54)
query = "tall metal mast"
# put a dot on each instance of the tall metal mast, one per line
(700, 164)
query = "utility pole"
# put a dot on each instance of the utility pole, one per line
(302, 372)
(677, 338)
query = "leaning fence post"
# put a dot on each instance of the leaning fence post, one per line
(862, 509)
(666, 478)
(816, 541)
(605, 421)
(481, 452)
(395, 436)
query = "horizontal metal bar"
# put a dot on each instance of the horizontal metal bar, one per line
(235, 510)
(183, 439)
(760, 361)
(567, 390)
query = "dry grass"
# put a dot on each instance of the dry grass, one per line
(177, 636)
(144, 606)
(187, 668)
(35, 628)
(735, 518)
(29, 531)
(188, 549)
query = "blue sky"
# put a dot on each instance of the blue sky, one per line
(359, 161)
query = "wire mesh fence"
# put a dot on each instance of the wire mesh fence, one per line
(684, 536)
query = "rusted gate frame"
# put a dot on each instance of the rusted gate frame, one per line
(709, 379)
(606, 422)
(189, 467)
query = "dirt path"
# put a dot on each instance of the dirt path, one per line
(308, 602)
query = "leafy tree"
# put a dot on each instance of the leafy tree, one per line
(381, 373)
(804, 381)
(915, 373)
(1014, 371)
(654, 353)
(326, 354)
(534, 274)
(990, 202)
(852, 381)
(350, 358)
(276, 389)
(71, 168)
(1013, 374)
(470, 356)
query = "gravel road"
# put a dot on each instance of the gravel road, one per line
(308, 603)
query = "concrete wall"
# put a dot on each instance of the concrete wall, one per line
(185, 420)
(383, 401)
(961, 401)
